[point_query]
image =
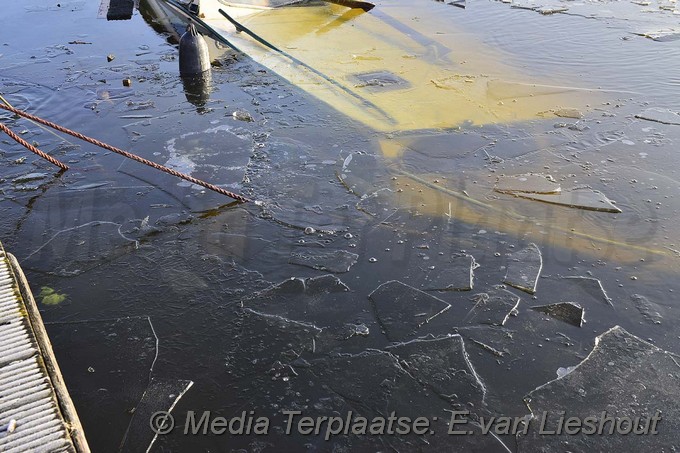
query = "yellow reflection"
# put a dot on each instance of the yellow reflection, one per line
(391, 73)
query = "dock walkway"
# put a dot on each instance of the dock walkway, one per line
(36, 412)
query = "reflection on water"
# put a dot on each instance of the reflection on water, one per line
(418, 218)
(387, 64)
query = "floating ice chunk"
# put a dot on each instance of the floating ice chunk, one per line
(493, 308)
(379, 203)
(455, 274)
(562, 371)
(569, 312)
(582, 289)
(661, 35)
(524, 268)
(623, 378)
(402, 309)
(658, 115)
(29, 177)
(529, 183)
(568, 113)
(547, 10)
(337, 261)
(160, 397)
(583, 198)
(442, 364)
(649, 310)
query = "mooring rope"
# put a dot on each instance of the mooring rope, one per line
(32, 148)
(101, 144)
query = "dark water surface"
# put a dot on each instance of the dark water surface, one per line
(165, 282)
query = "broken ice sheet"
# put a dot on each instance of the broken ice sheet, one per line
(582, 198)
(524, 268)
(661, 35)
(658, 115)
(160, 396)
(493, 307)
(529, 183)
(376, 383)
(109, 378)
(325, 301)
(402, 309)
(266, 347)
(569, 312)
(623, 376)
(649, 310)
(362, 174)
(337, 261)
(441, 364)
(454, 274)
(81, 248)
(583, 290)
(378, 204)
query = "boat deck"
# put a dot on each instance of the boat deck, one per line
(36, 412)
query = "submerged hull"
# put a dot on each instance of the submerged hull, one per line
(384, 72)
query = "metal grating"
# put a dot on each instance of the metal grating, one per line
(30, 419)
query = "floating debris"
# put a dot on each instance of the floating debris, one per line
(524, 268)
(527, 183)
(625, 380)
(354, 330)
(493, 307)
(569, 312)
(49, 296)
(441, 364)
(454, 274)
(337, 261)
(649, 310)
(583, 198)
(402, 309)
(663, 116)
(568, 113)
(548, 10)
(661, 35)
(243, 115)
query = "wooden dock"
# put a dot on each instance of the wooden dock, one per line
(36, 411)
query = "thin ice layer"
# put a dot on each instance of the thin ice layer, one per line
(442, 364)
(160, 397)
(663, 116)
(527, 183)
(337, 261)
(624, 378)
(524, 268)
(402, 309)
(455, 274)
(569, 312)
(493, 307)
(584, 198)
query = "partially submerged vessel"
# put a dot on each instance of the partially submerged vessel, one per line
(383, 68)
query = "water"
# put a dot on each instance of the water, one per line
(191, 286)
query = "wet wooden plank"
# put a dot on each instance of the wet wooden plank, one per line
(36, 411)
